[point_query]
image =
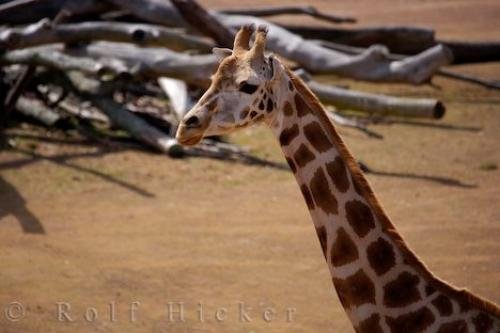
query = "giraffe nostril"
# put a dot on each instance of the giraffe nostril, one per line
(192, 121)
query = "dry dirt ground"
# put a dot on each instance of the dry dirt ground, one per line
(127, 226)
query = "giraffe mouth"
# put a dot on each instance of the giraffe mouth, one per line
(185, 138)
(190, 141)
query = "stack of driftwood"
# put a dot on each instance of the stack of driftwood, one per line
(112, 68)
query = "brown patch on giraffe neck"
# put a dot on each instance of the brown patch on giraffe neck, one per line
(321, 193)
(381, 256)
(288, 134)
(317, 137)
(337, 172)
(344, 250)
(482, 323)
(356, 290)
(370, 325)
(301, 106)
(457, 326)
(287, 109)
(360, 217)
(413, 322)
(443, 305)
(402, 291)
(303, 156)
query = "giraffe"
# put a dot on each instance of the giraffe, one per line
(380, 282)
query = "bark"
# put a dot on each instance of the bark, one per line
(288, 10)
(204, 22)
(156, 62)
(473, 52)
(53, 57)
(35, 109)
(381, 105)
(142, 34)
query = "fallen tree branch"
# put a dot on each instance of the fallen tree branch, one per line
(204, 22)
(473, 52)
(373, 65)
(381, 105)
(177, 92)
(123, 118)
(155, 62)
(53, 57)
(398, 39)
(288, 10)
(142, 34)
(491, 84)
(35, 109)
(404, 40)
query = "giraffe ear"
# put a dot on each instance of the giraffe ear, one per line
(221, 53)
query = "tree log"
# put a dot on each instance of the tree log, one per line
(178, 94)
(404, 40)
(50, 56)
(122, 117)
(35, 109)
(491, 84)
(142, 34)
(288, 10)
(204, 22)
(156, 62)
(473, 52)
(381, 105)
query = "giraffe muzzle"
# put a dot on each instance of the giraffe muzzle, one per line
(191, 129)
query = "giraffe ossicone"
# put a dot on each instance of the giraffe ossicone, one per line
(381, 284)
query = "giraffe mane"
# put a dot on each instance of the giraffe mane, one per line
(461, 295)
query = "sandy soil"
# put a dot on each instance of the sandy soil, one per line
(126, 226)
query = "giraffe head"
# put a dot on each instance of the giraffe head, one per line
(240, 93)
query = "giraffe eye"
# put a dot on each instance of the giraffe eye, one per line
(248, 88)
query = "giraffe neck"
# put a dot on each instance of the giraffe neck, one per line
(382, 286)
